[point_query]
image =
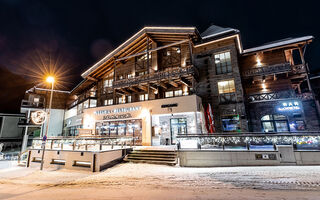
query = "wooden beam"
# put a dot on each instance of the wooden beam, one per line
(124, 91)
(152, 50)
(162, 85)
(184, 81)
(132, 89)
(144, 88)
(174, 84)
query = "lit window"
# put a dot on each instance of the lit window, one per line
(86, 104)
(107, 83)
(108, 102)
(226, 87)
(121, 100)
(93, 103)
(129, 99)
(178, 93)
(36, 100)
(274, 123)
(223, 63)
(230, 123)
(169, 94)
(143, 97)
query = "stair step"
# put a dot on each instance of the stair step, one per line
(153, 162)
(155, 152)
(152, 155)
(150, 158)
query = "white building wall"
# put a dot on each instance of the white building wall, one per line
(10, 127)
(56, 123)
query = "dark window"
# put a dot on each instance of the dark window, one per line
(223, 62)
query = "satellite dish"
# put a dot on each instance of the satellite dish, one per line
(39, 117)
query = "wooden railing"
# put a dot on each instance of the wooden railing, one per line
(170, 73)
(279, 95)
(274, 69)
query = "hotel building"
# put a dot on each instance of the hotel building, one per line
(168, 81)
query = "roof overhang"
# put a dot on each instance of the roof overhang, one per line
(291, 42)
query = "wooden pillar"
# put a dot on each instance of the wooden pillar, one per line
(114, 79)
(190, 51)
(148, 67)
(308, 81)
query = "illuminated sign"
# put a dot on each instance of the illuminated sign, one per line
(121, 116)
(117, 110)
(38, 117)
(289, 106)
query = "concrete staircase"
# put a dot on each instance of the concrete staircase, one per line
(152, 156)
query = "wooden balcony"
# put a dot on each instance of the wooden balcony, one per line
(31, 104)
(157, 76)
(274, 69)
(279, 95)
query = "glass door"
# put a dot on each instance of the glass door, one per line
(178, 126)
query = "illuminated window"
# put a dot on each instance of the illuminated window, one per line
(108, 102)
(143, 97)
(86, 104)
(230, 123)
(178, 93)
(121, 100)
(223, 62)
(226, 87)
(274, 123)
(107, 82)
(129, 99)
(169, 94)
(93, 103)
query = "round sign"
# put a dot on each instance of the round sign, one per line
(38, 117)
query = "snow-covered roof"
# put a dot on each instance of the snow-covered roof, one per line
(214, 31)
(278, 43)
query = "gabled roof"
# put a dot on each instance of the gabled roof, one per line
(156, 31)
(217, 31)
(279, 44)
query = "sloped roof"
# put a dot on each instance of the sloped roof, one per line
(215, 31)
(278, 44)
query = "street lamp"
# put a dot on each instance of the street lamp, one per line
(50, 79)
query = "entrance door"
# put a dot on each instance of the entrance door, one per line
(177, 126)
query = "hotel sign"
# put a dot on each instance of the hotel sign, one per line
(117, 110)
(289, 106)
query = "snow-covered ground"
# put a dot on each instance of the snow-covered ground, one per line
(145, 181)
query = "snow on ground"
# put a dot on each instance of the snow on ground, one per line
(146, 181)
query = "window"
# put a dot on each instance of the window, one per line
(107, 83)
(108, 102)
(178, 93)
(80, 108)
(226, 87)
(129, 98)
(143, 97)
(93, 103)
(223, 62)
(86, 104)
(122, 100)
(274, 123)
(169, 94)
(230, 123)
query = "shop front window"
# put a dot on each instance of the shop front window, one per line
(274, 123)
(93, 103)
(178, 127)
(230, 123)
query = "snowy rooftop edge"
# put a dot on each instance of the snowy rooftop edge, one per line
(278, 44)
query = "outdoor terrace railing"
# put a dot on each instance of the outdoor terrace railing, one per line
(31, 104)
(170, 73)
(274, 69)
(253, 98)
(86, 143)
(254, 141)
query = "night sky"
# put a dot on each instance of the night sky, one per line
(78, 33)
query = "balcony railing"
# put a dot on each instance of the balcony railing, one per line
(170, 73)
(278, 95)
(275, 69)
(31, 104)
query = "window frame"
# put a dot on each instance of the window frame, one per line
(221, 65)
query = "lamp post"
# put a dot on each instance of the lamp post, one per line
(50, 79)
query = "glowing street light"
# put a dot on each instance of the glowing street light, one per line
(49, 79)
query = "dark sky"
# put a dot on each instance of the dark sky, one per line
(78, 33)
